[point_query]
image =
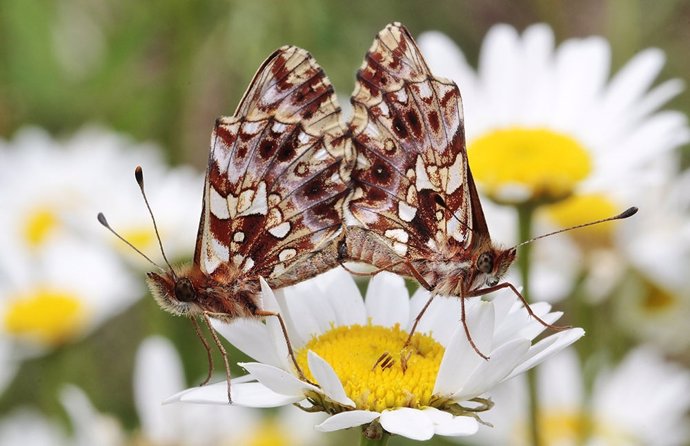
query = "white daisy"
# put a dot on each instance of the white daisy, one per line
(354, 351)
(88, 426)
(654, 304)
(61, 277)
(545, 123)
(642, 401)
(71, 180)
(158, 373)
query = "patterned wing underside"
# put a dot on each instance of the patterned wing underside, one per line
(411, 176)
(274, 181)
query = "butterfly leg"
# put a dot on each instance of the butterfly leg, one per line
(197, 330)
(416, 320)
(264, 313)
(467, 329)
(488, 290)
(223, 353)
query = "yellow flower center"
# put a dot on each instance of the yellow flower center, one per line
(582, 209)
(269, 433)
(658, 300)
(39, 225)
(373, 380)
(50, 317)
(545, 164)
(141, 237)
(572, 427)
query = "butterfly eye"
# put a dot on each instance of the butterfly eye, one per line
(485, 263)
(184, 290)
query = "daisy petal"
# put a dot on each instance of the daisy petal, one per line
(410, 423)
(345, 420)
(243, 394)
(328, 380)
(461, 360)
(344, 297)
(546, 347)
(252, 337)
(279, 342)
(449, 425)
(489, 373)
(387, 301)
(277, 379)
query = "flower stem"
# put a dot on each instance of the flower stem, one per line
(525, 216)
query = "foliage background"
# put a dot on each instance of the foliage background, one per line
(162, 71)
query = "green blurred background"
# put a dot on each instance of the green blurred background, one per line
(162, 71)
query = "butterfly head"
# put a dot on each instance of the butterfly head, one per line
(176, 294)
(492, 264)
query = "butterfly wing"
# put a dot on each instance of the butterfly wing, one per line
(274, 181)
(411, 185)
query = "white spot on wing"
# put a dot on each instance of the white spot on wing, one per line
(219, 205)
(251, 128)
(424, 90)
(423, 181)
(397, 234)
(238, 237)
(406, 212)
(287, 254)
(456, 174)
(258, 205)
(281, 230)
(248, 264)
(278, 127)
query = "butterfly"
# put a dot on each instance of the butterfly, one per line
(272, 201)
(414, 207)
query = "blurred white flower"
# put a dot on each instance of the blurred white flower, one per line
(546, 123)
(354, 351)
(642, 401)
(158, 373)
(60, 274)
(89, 427)
(654, 305)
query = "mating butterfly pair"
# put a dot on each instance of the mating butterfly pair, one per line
(291, 191)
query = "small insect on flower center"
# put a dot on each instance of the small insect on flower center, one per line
(541, 163)
(50, 317)
(368, 361)
(184, 290)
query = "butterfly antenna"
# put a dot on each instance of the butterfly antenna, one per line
(102, 220)
(139, 175)
(625, 214)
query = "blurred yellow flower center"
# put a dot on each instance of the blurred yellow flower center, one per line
(40, 223)
(372, 379)
(546, 164)
(582, 209)
(49, 317)
(268, 433)
(658, 300)
(571, 427)
(140, 237)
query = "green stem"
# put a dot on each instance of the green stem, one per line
(381, 441)
(525, 214)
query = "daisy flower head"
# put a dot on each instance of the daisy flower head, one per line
(641, 401)
(61, 275)
(654, 302)
(351, 351)
(545, 123)
(551, 130)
